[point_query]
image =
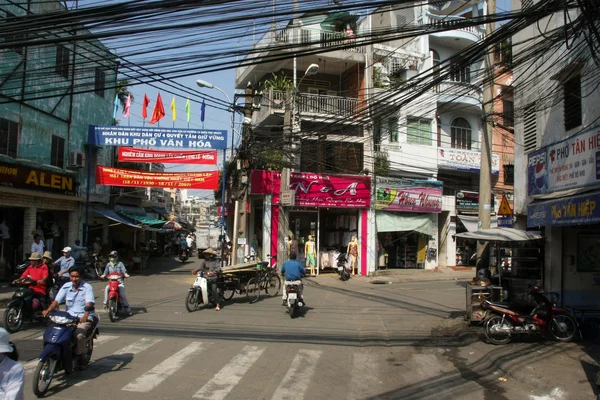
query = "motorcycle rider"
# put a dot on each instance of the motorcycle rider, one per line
(65, 263)
(12, 374)
(38, 272)
(114, 265)
(294, 271)
(190, 242)
(184, 246)
(213, 268)
(79, 299)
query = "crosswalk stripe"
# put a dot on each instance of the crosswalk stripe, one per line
(162, 371)
(230, 375)
(363, 378)
(106, 364)
(296, 380)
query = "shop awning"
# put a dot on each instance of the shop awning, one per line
(129, 210)
(500, 235)
(470, 222)
(144, 219)
(397, 222)
(110, 214)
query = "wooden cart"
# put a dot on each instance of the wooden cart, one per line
(248, 279)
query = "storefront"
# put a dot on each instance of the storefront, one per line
(406, 219)
(467, 220)
(34, 200)
(330, 208)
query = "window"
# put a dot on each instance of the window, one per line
(572, 102)
(419, 131)
(436, 68)
(100, 82)
(529, 128)
(460, 132)
(57, 152)
(508, 110)
(393, 129)
(461, 73)
(9, 136)
(14, 37)
(377, 135)
(509, 174)
(62, 61)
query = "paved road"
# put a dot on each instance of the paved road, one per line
(354, 342)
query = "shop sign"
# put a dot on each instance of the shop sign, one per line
(504, 221)
(316, 190)
(575, 210)
(465, 160)
(131, 154)
(287, 198)
(571, 163)
(208, 180)
(467, 202)
(22, 177)
(409, 195)
(206, 139)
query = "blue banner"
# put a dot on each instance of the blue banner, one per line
(157, 137)
(576, 210)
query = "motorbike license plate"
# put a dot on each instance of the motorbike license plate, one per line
(340, 268)
(292, 296)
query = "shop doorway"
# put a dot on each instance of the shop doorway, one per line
(53, 226)
(11, 242)
(302, 224)
(403, 249)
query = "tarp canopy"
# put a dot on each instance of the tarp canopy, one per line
(500, 235)
(144, 219)
(398, 222)
(470, 222)
(110, 214)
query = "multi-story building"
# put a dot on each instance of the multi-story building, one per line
(557, 136)
(50, 95)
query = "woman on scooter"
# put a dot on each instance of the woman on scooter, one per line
(212, 266)
(37, 272)
(114, 265)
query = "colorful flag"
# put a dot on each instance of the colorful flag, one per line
(159, 110)
(203, 110)
(145, 106)
(187, 110)
(116, 107)
(173, 109)
(127, 110)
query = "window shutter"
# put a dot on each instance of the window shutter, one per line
(529, 128)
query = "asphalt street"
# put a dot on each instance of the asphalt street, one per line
(354, 341)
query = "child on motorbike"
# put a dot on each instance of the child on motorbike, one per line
(114, 265)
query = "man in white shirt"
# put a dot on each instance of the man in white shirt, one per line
(12, 374)
(38, 244)
(190, 241)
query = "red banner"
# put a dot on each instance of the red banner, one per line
(208, 180)
(131, 154)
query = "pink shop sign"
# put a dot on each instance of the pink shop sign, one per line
(316, 190)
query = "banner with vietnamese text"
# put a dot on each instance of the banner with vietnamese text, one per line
(208, 180)
(131, 154)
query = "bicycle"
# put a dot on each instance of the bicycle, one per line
(268, 278)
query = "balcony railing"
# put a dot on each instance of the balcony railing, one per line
(458, 90)
(313, 104)
(449, 21)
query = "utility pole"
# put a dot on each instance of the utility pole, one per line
(285, 180)
(485, 176)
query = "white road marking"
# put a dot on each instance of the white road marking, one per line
(296, 380)
(230, 375)
(363, 378)
(162, 371)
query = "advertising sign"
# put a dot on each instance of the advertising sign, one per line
(409, 195)
(179, 180)
(465, 160)
(467, 202)
(130, 154)
(205, 139)
(22, 177)
(571, 163)
(316, 190)
(575, 210)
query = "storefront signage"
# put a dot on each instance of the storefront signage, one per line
(316, 190)
(179, 180)
(206, 139)
(409, 195)
(575, 210)
(505, 221)
(467, 202)
(22, 177)
(465, 160)
(571, 163)
(131, 154)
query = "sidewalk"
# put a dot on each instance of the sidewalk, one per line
(390, 276)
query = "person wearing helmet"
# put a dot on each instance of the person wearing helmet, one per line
(114, 265)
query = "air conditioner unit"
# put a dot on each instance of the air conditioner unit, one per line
(76, 159)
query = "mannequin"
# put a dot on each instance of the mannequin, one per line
(353, 252)
(311, 254)
(292, 245)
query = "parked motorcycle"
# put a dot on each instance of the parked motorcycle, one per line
(184, 255)
(342, 267)
(505, 321)
(294, 302)
(59, 348)
(114, 299)
(23, 306)
(200, 293)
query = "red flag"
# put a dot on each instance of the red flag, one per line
(145, 106)
(159, 111)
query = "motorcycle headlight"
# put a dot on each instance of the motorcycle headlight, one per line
(60, 320)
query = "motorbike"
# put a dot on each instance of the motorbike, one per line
(153, 248)
(504, 321)
(184, 255)
(168, 249)
(23, 306)
(293, 300)
(342, 267)
(114, 299)
(59, 348)
(200, 293)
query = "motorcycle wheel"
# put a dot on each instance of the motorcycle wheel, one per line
(292, 311)
(563, 328)
(112, 310)
(491, 337)
(44, 372)
(13, 319)
(191, 301)
(89, 345)
(273, 285)
(253, 290)
(98, 270)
